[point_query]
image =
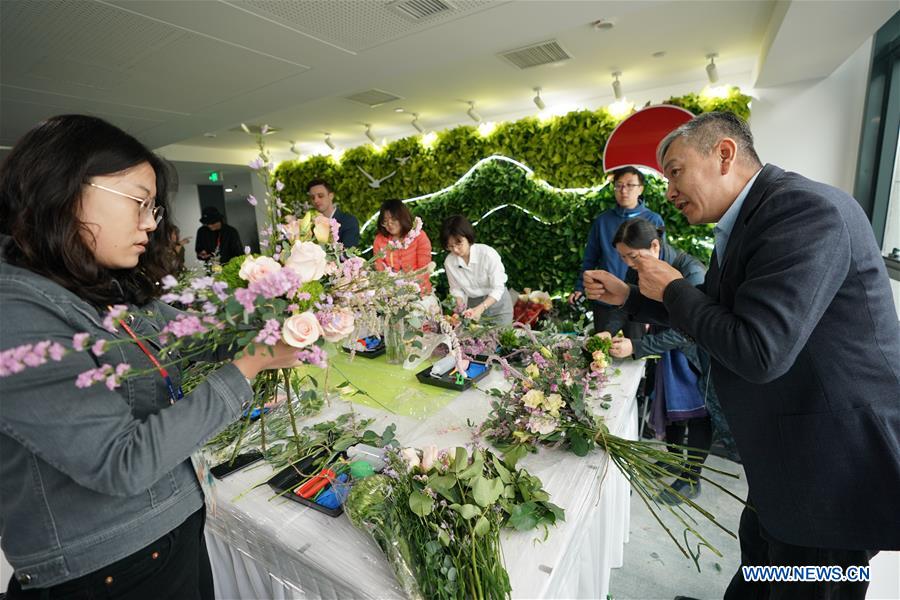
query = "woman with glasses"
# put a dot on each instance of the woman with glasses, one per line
(98, 497)
(401, 244)
(628, 185)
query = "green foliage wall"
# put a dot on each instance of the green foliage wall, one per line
(566, 152)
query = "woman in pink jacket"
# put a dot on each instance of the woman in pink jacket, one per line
(400, 244)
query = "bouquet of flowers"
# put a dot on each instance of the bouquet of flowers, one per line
(437, 516)
(304, 289)
(555, 400)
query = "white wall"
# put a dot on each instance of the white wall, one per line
(813, 127)
(186, 214)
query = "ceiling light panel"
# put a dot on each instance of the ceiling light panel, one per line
(360, 24)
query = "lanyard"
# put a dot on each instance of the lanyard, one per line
(174, 395)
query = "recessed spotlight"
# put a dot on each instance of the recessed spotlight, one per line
(399, 109)
(603, 24)
(659, 54)
(209, 134)
(229, 189)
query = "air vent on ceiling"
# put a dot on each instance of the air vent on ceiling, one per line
(372, 97)
(535, 55)
(418, 10)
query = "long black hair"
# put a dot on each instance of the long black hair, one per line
(41, 186)
(637, 233)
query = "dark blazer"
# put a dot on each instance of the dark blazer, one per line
(348, 234)
(805, 345)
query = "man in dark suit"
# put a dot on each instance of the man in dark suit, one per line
(322, 197)
(797, 316)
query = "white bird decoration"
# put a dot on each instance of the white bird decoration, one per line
(375, 183)
(403, 159)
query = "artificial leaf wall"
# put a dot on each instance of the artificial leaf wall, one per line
(541, 248)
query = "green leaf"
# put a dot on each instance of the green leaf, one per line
(421, 504)
(502, 471)
(512, 456)
(460, 460)
(475, 468)
(486, 491)
(523, 517)
(579, 444)
(443, 538)
(482, 526)
(467, 511)
(445, 485)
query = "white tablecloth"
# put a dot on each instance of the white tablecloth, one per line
(266, 547)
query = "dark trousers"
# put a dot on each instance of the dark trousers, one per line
(696, 434)
(175, 566)
(760, 548)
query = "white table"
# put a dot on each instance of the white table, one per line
(262, 547)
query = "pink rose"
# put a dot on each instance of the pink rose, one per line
(301, 330)
(336, 325)
(307, 260)
(254, 269)
(322, 229)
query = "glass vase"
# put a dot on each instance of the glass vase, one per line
(394, 345)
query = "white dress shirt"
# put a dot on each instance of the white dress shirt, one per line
(483, 276)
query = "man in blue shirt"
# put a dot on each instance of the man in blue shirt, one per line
(599, 253)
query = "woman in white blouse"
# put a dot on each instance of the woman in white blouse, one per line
(476, 274)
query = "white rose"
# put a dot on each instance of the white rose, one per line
(307, 260)
(429, 455)
(411, 456)
(301, 330)
(254, 269)
(322, 229)
(337, 325)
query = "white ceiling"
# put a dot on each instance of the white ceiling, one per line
(170, 72)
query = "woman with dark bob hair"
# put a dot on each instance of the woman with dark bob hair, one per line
(475, 273)
(401, 244)
(98, 495)
(683, 392)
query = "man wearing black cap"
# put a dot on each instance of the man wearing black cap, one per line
(216, 238)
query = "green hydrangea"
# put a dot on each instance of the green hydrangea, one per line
(229, 273)
(315, 290)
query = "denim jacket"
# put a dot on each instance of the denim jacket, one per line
(90, 476)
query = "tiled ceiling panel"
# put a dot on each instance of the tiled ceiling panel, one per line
(85, 32)
(356, 24)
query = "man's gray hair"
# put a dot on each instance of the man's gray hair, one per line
(704, 131)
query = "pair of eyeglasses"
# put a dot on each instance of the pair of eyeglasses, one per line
(621, 187)
(147, 205)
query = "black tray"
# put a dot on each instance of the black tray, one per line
(424, 376)
(288, 479)
(226, 468)
(378, 351)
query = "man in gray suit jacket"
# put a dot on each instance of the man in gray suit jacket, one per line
(797, 316)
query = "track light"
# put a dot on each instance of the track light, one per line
(617, 85)
(328, 141)
(415, 123)
(294, 148)
(537, 99)
(712, 72)
(471, 112)
(369, 133)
